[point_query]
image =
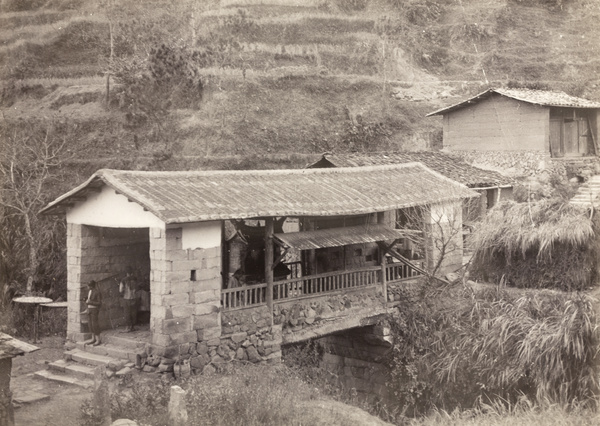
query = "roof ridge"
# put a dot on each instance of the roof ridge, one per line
(266, 172)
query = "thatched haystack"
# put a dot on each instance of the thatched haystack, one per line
(543, 244)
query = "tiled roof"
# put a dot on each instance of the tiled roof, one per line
(337, 237)
(537, 97)
(11, 347)
(179, 197)
(451, 167)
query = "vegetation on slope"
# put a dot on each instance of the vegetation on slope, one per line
(543, 244)
(459, 349)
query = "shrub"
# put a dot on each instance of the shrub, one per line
(457, 348)
(543, 244)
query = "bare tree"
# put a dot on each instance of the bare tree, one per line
(26, 164)
(441, 228)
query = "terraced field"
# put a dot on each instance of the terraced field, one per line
(330, 75)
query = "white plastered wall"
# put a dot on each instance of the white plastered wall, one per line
(200, 235)
(109, 209)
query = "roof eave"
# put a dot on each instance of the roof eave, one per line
(100, 176)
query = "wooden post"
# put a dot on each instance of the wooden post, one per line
(311, 264)
(269, 263)
(381, 220)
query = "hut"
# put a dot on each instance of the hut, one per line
(523, 130)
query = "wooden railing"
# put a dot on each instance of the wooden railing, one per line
(295, 269)
(325, 283)
(241, 297)
(400, 271)
(256, 295)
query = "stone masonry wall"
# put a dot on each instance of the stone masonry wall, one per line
(515, 163)
(531, 163)
(303, 315)
(355, 359)
(95, 253)
(185, 294)
(250, 337)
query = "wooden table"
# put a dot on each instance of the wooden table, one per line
(36, 302)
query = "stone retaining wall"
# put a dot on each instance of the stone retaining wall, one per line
(355, 359)
(531, 163)
(299, 315)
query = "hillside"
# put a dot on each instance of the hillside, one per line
(271, 83)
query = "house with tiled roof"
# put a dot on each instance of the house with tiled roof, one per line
(493, 186)
(524, 131)
(212, 248)
(9, 349)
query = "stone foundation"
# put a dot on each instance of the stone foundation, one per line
(531, 163)
(355, 359)
(303, 315)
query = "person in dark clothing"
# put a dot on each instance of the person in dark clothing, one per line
(128, 288)
(94, 302)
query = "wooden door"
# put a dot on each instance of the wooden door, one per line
(556, 146)
(571, 138)
(583, 136)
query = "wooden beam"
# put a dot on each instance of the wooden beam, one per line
(382, 261)
(269, 263)
(77, 199)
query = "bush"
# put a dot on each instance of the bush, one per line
(543, 244)
(457, 348)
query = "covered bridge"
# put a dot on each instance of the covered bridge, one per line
(493, 186)
(212, 250)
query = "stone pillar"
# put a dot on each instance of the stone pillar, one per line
(178, 415)
(74, 290)
(185, 294)
(443, 236)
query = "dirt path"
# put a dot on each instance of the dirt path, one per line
(62, 407)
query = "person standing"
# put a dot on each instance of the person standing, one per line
(94, 302)
(128, 289)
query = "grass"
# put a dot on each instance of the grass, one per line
(543, 244)
(522, 414)
(237, 395)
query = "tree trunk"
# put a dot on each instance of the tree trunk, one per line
(33, 260)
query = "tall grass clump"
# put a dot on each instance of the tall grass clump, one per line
(456, 349)
(543, 244)
(235, 395)
(249, 395)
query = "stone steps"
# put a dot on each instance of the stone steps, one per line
(72, 368)
(112, 351)
(117, 354)
(64, 378)
(587, 192)
(85, 357)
